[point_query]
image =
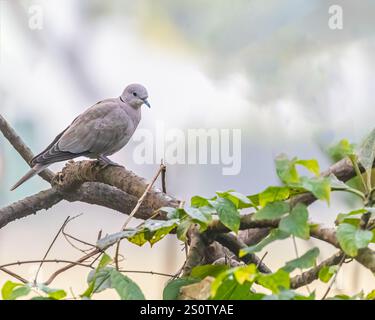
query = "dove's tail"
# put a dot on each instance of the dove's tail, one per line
(32, 172)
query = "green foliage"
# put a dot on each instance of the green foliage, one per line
(275, 281)
(272, 194)
(296, 222)
(348, 217)
(244, 282)
(172, 289)
(351, 238)
(305, 261)
(286, 169)
(366, 152)
(341, 150)
(327, 272)
(238, 199)
(12, 290)
(271, 211)
(320, 187)
(227, 212)
(105, 277)
(200, 272)
(126, 288)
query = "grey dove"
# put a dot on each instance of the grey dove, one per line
(97, 133)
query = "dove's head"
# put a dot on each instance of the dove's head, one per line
(135, 95)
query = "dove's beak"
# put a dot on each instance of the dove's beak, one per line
(146, 103)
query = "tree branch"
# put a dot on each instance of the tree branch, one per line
(309, 276)
(235, 245)
(29, 205)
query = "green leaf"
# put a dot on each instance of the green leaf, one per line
(104, 261)
(245, 273)
(183, 228)
(341, 150)
(12, 290)
(275, 281)
(100, 279)
(305, 261)
(228, 213)
(351, 238)
(126, 288)
(327, 272)
(366, 153)
(213, 270)
(311, 165)
(239, 200)
(271, 211)
(198, 215)
(342, 217)
(232, 290)
(286, 169)
(320, 187)
(54, 294)
(371, 295)
(172, 289)
(173, 213)
(8, 288)
(274, 235)
(296, 222)
(153, 231)
(198, 201)
(273, 194)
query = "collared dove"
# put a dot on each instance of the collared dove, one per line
(100, 131)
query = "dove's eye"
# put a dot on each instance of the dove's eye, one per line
(134, 94)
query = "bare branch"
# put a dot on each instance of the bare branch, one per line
(29, 205)
(75, 174)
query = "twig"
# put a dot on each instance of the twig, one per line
(73, 264)
(147, 272)
(49, 248)
(18, 263)
(140, 200)
(261, 259)
(163, 174)
(334, 277)
(14, 275)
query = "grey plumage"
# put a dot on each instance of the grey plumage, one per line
(100, 131)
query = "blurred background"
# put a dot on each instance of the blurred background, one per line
(274, 69)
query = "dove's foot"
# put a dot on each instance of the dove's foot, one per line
(105, 162)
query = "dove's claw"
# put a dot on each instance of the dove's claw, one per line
(105, 162)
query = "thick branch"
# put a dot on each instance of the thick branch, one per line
(75, 174)
(109, 197)
(29, 205)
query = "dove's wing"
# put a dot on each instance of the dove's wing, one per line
(96, 130)
(93, 132)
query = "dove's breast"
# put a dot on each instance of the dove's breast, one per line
(130, 123)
